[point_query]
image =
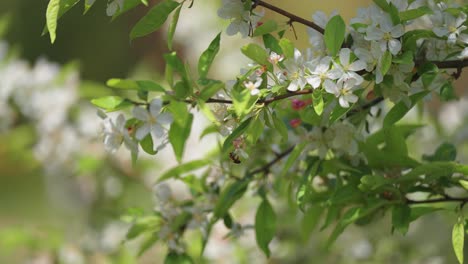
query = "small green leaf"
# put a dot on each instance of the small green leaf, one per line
(172, 27)
(267, 27)
(154, 19)
(458, 239)
(334, 34)
(207, 57)
(256, 53)
(55, 10)
(227, 145)
(383, 4)
(111, 103)
(464, 184)
(52, 17)
(178, 135)
(293, 158)
(401, 218)
(414, 13)
(317, 101)
(265, 226)
(229, 196)
(399, 110)
(179, 170)
(272, 43)
(175, 258)
(147, 86)
(386, 62)
(280, 127)
(147, 145)
(287, 47)
(445, 152)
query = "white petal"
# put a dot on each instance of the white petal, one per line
(165, 118)
(292, 86)
(397, 31)
(343, 102)
(357, 65)
(155, 107)
(157, 131)
(142, 131)
(374, 33)
(331, 87)
(394, 46)
(140, 113)
(254, 92)
(440, 31)
(335, 73)
(352, 98)
(314, 81)
(344, 56)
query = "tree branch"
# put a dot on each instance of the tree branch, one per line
(292, 17)
(446, 199)
(266, 168)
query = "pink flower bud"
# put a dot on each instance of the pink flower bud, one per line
(295, 122)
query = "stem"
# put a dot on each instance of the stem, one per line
(446, 199)
(265, 168)
(292, 17)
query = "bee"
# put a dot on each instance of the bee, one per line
(234, 158)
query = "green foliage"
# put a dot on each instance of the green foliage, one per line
(458, 238)
(154, 19)
(208, 56)
(265, 226)
(334, 34)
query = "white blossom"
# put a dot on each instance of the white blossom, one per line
(349, 67)
(386, 34)
(322, 71)
(253, 86)
(295, 72)
(116, 133)
(451, 27)
(343, 90)
(153, 121)
(242, 20)
(114, 6)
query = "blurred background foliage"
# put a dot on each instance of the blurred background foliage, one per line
(34, 229)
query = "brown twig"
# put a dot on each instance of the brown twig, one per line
(292, 17)
(266, 168)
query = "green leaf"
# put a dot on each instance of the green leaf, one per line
(267, 27)
(445, 152)
(401, 216)
(272, 43)
(414, 13)
(147, 145)
(175, 258)
(143, 224)
(229, 196)
(154, 19)
(243, 101)
(293, 158)
(227, 145)
(280, 127)
(386, 62)
(464, 184)
(178, 135)
(147, 86)
(55, 10)
(88, 4)
(411, 37)
(317, 101)
(111, 103)
(178, 171)
(458, 239)
(255, 129)
(383, 4)
(265, 226)
(210, 90)
(256, 53)
(395, 143)
(173, 26)
(310, 220)
(207, 57)
(287, 47)
(334, 34)
(399, 110)
(52, 17)
(174, 61)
